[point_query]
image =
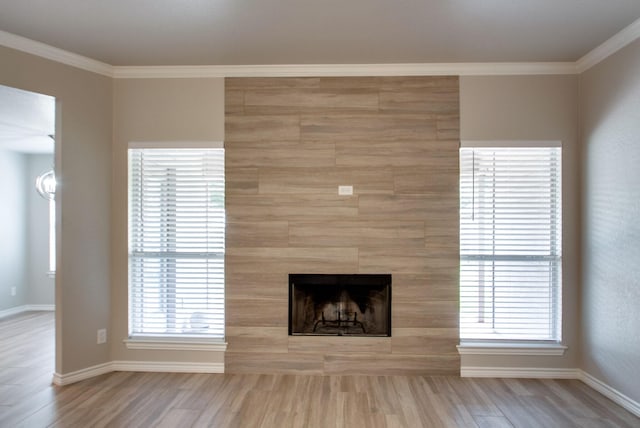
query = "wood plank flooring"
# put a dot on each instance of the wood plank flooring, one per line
(124, 399)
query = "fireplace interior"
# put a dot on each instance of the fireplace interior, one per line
(340, 305)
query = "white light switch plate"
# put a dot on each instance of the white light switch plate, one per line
(345, 190)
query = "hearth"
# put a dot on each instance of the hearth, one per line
(340, 305)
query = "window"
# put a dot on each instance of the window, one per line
(510, 243)
(176, 242)
(46, 187)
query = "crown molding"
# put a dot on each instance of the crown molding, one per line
(615, 43)
(59, 55)
(285, 70)
(626, 36)
(342, 70)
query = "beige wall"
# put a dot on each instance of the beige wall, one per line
(154, 110)
(610, 126)
(289, 144)
(534, 108)
(91, 286)
(83, 163)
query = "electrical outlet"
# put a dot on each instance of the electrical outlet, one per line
(102, 336)
(13, 291)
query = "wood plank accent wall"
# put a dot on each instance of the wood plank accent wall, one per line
(289, 143)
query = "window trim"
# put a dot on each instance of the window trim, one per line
(510, 346)
(177, 343)
(163, 342)
(495, 347)
(175, 145)
(511, 143)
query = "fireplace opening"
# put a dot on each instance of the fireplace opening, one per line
(340, 305)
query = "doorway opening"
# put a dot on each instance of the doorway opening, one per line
(27, 213)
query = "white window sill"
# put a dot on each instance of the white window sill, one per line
(511, 348)
(177, 344)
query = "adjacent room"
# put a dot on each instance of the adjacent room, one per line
(273, 214)
(27, 122)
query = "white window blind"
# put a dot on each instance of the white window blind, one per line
(510, 243)
(176, 242)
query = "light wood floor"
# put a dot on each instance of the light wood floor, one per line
(27, 398)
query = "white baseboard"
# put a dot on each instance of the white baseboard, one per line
(611, 393)
(136, 366)
(40, 307)
(545, 373)
(166, 366)
(12, 311)
(25, 308)
(77, 376)
(520, 372)
(495, 372)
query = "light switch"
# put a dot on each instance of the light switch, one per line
(345, 190)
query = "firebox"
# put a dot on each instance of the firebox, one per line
(340, 305)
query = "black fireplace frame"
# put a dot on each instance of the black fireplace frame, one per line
(348, 279)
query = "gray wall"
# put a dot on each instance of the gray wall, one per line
(83, 164)
(610, 125)
(24, 235)
(13, 228)
(40, 286)
(534, 108)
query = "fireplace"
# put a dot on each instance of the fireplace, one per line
(339, 305)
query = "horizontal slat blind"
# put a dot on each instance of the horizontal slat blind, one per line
(176, 242)
(510, 243)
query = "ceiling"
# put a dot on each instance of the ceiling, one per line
(26, 121)
(241, 32)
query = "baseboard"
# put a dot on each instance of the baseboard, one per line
(165, 366)
(25, 308)
(40, 307)
(136, 366)
(77, 376)
(520, 372)
(545, 373)
(495, 372)
(12, 311)
(611, 393)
